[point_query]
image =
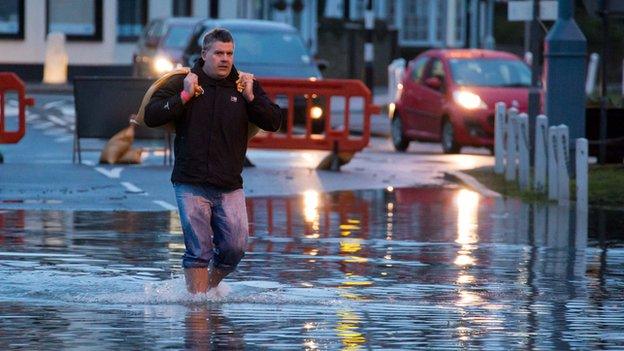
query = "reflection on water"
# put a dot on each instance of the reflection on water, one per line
(427, 268)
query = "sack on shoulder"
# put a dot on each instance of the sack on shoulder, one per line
(138, 120)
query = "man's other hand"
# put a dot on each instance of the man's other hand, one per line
(190, 84)
(246, 81)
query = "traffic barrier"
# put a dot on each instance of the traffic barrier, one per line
(337, 134)
(10, 83)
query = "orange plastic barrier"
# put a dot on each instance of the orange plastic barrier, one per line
(336, 134)
(11, 83)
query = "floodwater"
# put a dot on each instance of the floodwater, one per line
(393, 269)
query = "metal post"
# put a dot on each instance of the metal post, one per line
(214, 9)
(499, 138)
(581, 172)
(489, 42)
(534, 107)
(565, 55)
(592, 67)
(369, 25)
(602, 150)
(581, 191)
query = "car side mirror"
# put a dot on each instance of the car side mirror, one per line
(433, 83)
(322, 64)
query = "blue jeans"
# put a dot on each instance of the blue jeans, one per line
(214, 223)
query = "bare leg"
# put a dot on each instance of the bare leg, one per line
(196, 280)
(215, 275)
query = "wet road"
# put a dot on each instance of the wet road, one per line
(424, 268)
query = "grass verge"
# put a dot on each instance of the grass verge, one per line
(606, 185)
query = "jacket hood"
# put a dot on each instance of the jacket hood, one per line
(230, 80)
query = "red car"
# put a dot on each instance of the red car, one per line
(448, 95)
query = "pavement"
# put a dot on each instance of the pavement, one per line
(38, 172)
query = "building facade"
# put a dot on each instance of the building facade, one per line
(101, 34)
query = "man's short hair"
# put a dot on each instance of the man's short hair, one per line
(217, 34)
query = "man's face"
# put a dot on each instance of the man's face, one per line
(218, 59)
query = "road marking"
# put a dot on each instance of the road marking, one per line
(65, 139)
(88, 163)
(131, 188)
(53, 104)
(31, 117)
(57, 120)
(166, 205)
(43, 125)
(11, 111)
(111, 173)
(55, 131)
(68, 111)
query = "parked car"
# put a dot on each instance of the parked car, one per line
(448, 95)
(268, 50)
(161, 45)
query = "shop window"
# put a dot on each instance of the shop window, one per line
(182, 8)
(12, 19)
(131, 18)
(78, 19)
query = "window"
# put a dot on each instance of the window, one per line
(131, 17)
(182, 8)
(423, 23)
(12, 19)
(78, 19)
(417, 68)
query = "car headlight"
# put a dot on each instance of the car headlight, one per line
(468, 100)
(162, 65)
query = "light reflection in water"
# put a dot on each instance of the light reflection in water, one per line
(348, 329)
(467, 202)
(310, 206)
(311, 199)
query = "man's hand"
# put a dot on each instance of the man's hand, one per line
(191, 86)
(245, 82)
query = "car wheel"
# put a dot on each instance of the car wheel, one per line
(449, 144)
(399, 140)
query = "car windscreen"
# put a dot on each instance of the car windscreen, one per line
(178, 36)
(490, 72)
(276, 48)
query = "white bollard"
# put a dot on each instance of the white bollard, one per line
(563, 158)
(541, 134)
(553, 188)
(592, 68)
(512, 137)
(524, 167)
(499, 138)
(55, 66)
(581, 193)
(581, 173)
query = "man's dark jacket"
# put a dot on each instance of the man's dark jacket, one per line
(211, 129)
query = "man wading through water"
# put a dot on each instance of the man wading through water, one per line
(211, 108)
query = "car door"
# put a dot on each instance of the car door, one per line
(431, 108)
(411, 98)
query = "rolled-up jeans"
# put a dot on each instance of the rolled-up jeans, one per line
(214, 224)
